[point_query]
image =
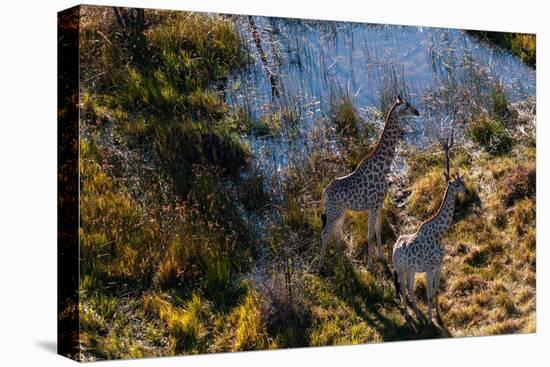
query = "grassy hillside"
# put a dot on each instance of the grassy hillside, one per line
(174, 257)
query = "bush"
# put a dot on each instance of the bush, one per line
(491, 135)
(525, 46)
(284, 311)
(345, 118)
(480, 256)
(501, 107)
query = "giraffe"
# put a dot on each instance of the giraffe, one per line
(423, 252)
(366, 187)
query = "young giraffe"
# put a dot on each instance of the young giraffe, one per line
(423, 252)
(366, 187)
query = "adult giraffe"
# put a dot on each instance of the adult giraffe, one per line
(366, 187)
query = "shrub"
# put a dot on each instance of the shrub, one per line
(525, 46)
(183, 145)
(501, 108)
(505, 301)
(464, 315)
(345, 118)
(284, 313)
(253, 194)
(505, 327)
(491, 135)
(427, 195)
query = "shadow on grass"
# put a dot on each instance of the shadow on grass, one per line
(369, 299)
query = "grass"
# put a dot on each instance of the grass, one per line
(486, 264)
(173, 258)
(179, 248)
(168, 89)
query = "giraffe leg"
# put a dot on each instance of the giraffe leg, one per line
(402, 279)
(325, 237)
(437, 279)
(379, 252)
(410, 289)
(370, 238)
(338, 231)
(429, 293)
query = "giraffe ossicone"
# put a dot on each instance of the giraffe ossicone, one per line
(366, 187)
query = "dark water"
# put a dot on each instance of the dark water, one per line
(318, 62)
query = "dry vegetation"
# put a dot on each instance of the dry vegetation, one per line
(173, 261)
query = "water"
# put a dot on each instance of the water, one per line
(317, 62)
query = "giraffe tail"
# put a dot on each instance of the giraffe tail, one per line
(396, 283)
(324, 220)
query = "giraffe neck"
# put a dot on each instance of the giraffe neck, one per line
(384, 151)
(443, 218)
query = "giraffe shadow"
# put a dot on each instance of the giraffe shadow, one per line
(372, 303)
(421, 323)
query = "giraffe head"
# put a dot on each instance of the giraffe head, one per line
(456, 183)
(404, 108)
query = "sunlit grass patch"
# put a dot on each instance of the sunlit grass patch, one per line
(250, 331)
(427, 194)
(187, 324)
